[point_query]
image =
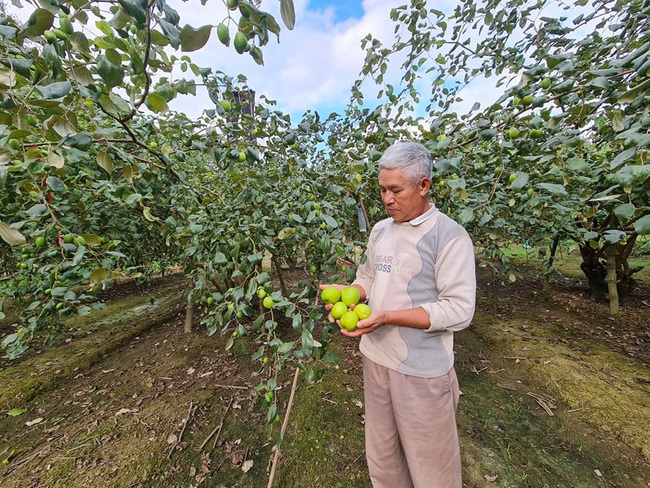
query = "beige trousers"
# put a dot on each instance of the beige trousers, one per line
(411, 434)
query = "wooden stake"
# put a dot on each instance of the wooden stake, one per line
(276, 456)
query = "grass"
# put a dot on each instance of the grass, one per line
(567, 260)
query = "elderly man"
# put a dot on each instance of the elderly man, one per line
(419, 279)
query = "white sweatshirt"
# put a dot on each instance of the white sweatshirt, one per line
(427, 262)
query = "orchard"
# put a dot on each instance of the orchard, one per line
(101, 181)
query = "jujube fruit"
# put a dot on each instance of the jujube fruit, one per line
(350, 295)
(331, 294)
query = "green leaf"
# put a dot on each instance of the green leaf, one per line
(55, 90)
(172, 33)
(37, 210)
(613, 236)
(332, 357)
(194, 39)
(563, 87)
(15, 412)
(80, 42)
(106, 29)
(577, 165)
(642, 226)
(156, 103)
(135, 10)
(83, 75)
(520, 182)
(133, 198)
(8, 32)
(288, 13)
(601, 82)
(285, 347)
(52, 59)
(105, 162)
(330, 221)
(553, 61)
(631, 95)
(465, 216)
(457, 184)
(11, 236)
(80, 141)
(20, 66)
(55, 184)
(624, 212)
(121, 104)
(553, 188)
(114, 104)
(40, 21)
(78, 256)
(111, 74)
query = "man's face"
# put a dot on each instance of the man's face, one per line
(402, 200)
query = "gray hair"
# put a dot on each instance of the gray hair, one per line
(411, 157)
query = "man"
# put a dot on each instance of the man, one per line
(419, 279)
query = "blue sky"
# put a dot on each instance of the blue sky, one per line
(344, 9)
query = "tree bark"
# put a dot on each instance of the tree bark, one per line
(278, 270)
(593, 270)
(551, 259)
(611, 251)
(189, 317)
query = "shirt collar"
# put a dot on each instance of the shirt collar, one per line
(425, 216)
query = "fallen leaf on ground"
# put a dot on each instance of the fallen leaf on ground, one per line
(14, 412)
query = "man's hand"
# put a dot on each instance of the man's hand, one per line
(373, 322)
(365, 326)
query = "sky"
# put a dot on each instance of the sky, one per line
(312, 67)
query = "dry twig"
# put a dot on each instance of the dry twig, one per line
(232, 387)
(545, 402)
(217, 429)
(190, 412)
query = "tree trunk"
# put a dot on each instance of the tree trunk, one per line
(594, 270)
(611, 278)
(189, 317)
(549, 266)
(278, 270)
(611, 251)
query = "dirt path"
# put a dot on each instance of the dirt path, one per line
(555, 393)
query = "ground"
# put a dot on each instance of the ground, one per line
(555, 394)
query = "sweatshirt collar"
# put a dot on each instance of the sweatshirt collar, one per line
(425, 216)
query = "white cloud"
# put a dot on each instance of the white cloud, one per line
(314, 65)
